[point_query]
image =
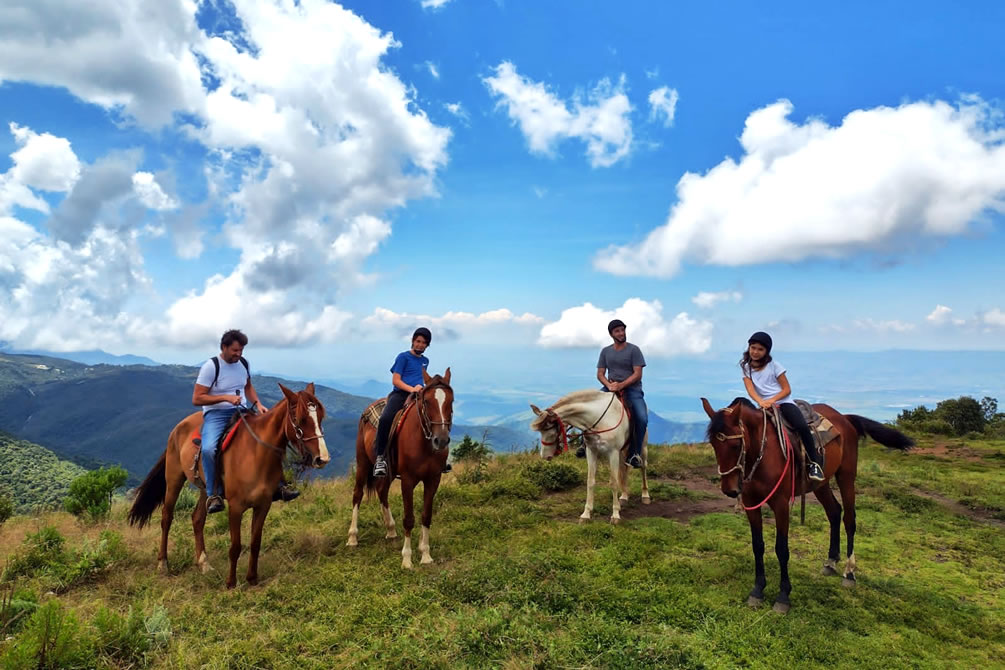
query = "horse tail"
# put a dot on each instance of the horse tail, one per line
(362, 461)
(150, 494)
(885, 435)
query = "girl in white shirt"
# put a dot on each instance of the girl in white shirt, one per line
(767, 385)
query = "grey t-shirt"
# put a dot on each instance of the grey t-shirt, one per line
(620, 364)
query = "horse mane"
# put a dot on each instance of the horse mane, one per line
(576, 396)
(718, 422)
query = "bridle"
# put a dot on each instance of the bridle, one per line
(783, 442)
(564, 430)
(427, 424)
(300, 446)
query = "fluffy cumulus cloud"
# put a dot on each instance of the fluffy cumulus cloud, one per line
(312, 141)
(709, 299)
(433, 4)
(663, 105)
(600, 119)
(942, 315)
(879, 181)
(586, 326)
(450, 325)
(994, 318)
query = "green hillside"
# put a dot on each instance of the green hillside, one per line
(109, 414)
(34, 476)
(517, 583)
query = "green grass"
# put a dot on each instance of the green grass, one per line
(518, 583)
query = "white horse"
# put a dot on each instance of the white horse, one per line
(604, 422)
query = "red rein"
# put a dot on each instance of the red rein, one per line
(563, 430)
(788, 460)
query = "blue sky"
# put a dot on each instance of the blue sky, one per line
(513, 174)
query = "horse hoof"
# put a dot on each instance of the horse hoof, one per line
(849, 583)
(755, 602)
(781, 608)
(828, 571)
(584, 519)
(252, 581)
(407, 564)
(391, 536)
(230, 586)
(623, 498)
(615, 520)
(646, 500)
(351, 542)
(426, 560)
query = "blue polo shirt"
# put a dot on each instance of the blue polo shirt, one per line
(410, 367)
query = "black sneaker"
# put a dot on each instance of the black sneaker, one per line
(814, 472)
(447, 468)
(634, 461)
(581, 452)
(380, 467)
(214, 504)
(285, 492)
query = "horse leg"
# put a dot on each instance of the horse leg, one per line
(428, 491)
(407, 489)
(174, 486)
(383, 489)
(781, 509)
(591, 481)
(756, 597)
(258, 515)
(847, 485)
(357, 497)
(236, 512)
(615, 459)
(645, 480)
(198, 524)
(622, 478)
(833, 510)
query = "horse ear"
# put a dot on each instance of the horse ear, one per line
(310, 388)
(708, 408)
(446, 376)
(290, 395)
(536, 409)
(425, 377)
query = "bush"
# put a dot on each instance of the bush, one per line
(552, 475)
(51, 639)
(6, 505)
(16, 607)
(964, 414)
(513, 488)
(43, 555)
(933, 427)
(90, 495)
(471, 450)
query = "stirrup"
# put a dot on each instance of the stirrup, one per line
(814, 472)
(634, 461)
(380, 467)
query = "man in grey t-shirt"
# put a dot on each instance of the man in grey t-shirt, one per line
(619, 368)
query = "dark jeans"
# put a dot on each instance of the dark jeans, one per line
(635, 400)
(795, 418)
(395, 401)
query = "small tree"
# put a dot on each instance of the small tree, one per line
(964, 414)
(90, 494)
(471, 450)
(989, 406)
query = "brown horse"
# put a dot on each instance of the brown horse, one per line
(421, 453)
(757, 467)
(252, 466)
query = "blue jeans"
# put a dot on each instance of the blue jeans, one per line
(213, 423)
(635, 400)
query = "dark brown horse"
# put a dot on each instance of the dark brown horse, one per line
(420, 455)
(755, 466)
(252, 467)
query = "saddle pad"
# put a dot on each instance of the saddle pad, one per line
(372, 415)
(197, 437)
(823, 430)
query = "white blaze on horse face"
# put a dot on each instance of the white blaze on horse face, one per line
(322, 448)
(441, 399)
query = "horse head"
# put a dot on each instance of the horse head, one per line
(548, 424)
(728, 436)
(303, 429)
(436, 409)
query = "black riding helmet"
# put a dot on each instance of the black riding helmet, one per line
(616, 323)
(424, 332)
(761, 338)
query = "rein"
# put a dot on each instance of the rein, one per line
(784, 444)
(564, 430)
(300, 447)
(425, 422)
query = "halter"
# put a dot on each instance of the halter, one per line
(300, 447)
(425, 423)
(564, 430)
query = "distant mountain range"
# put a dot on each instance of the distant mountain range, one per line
(93, 357)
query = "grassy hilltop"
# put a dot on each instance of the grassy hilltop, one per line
(518, 584)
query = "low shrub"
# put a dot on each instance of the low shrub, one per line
(90, 496)
(553, 475)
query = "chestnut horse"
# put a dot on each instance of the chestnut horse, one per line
(757, 467)
(602, 418)
(420, 454)
(252, 467)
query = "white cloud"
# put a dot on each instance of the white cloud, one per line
(433, 70)
(994, 317)
(44, 162)
(457, 109)
(881, 326)
(663, 105)
(602, 121)
(881, 180)
(450, 324)
(434, 4)
(940, 315)
(708, 299)
(586, 326)
(151, 194)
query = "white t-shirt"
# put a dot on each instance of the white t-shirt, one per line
(232, 380)
(766, 380)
